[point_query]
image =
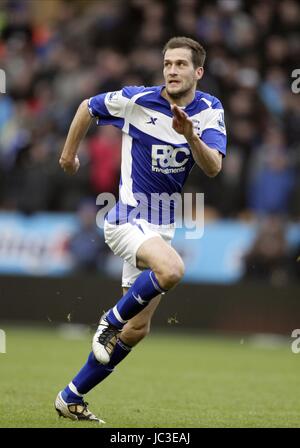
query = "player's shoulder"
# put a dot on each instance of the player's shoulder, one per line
(206, 100)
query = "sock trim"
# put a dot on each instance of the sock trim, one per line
(155, 283)
(124, 345)
(73, 389)
(118, 316)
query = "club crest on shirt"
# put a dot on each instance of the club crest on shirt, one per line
(112, 96)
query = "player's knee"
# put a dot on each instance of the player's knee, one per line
(171, 274)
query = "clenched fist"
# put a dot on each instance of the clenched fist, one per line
(69, 166)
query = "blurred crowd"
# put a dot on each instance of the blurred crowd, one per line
(56, 53)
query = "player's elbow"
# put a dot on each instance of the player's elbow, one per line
(213, 172)
(215, 167)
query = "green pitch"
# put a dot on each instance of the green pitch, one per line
(169, 380)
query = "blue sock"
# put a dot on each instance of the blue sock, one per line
(145, 288)
(92, 373)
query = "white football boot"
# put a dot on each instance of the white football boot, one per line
(74, 411)
(104, 340)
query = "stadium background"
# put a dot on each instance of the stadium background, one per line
(242, 277)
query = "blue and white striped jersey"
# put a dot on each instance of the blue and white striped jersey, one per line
(156, 160)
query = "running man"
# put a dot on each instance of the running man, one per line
(166, 130)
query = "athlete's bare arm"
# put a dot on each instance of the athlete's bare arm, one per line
(208, 159)
(79, 126)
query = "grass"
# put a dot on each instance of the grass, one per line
(170, 380)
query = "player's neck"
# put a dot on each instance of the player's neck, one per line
(181, 101)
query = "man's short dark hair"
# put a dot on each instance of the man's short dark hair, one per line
(198, 52)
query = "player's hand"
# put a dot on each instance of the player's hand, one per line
(181, 122)
(69, 166)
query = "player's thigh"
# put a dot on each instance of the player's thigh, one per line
(158, 255)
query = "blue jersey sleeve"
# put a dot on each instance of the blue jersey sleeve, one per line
(214, 130)
(110, 107)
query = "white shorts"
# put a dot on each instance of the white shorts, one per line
(125, 239)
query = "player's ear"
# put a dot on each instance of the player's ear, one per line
(199, 72)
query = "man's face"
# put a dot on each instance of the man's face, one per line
(179, 72)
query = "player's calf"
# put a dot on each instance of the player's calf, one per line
(138, 327)
(133, 334)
